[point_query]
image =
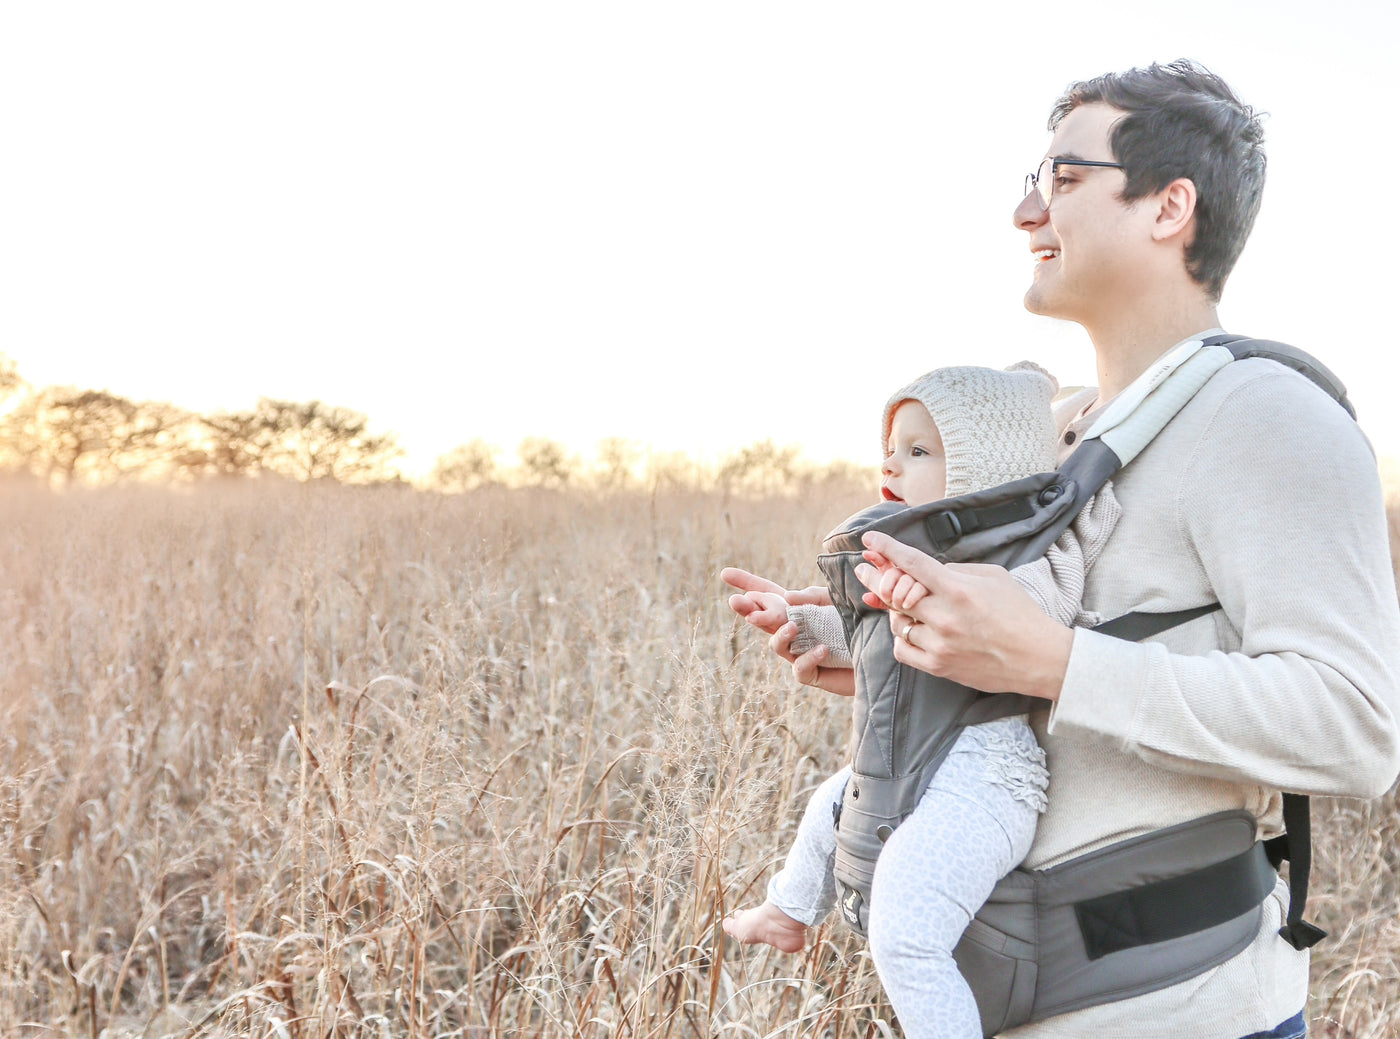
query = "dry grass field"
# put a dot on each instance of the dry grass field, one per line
(288, 760)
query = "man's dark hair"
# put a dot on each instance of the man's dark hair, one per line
(1184, 121)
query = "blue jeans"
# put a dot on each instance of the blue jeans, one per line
(1294, 1028)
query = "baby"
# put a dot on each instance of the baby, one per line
(951, 432)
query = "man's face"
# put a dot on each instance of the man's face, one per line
(1085, 245)
(915, 470)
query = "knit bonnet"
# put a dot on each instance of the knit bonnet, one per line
(996, 425)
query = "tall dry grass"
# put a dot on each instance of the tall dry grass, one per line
(305, 761)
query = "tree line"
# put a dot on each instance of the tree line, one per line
(64, 435)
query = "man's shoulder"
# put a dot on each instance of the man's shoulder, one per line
(1257, 395)
(1257, 427)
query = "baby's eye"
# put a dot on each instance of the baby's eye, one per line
(917, 452)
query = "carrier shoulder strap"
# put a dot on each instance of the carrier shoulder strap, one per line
(1295, 843)
(1290, 357)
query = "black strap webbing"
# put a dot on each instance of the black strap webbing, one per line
(1134, 627)
(1295, 845)
(954, 523)
(1177, 906)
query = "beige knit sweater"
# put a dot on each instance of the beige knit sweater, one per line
(1262, 495)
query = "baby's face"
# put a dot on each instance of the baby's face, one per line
(915, 470)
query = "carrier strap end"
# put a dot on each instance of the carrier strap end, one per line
(1301, 935)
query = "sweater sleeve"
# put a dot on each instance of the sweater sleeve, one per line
(1056, 580)
(1280, 499)
(820, 626)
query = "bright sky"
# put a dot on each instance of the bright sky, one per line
(696, 225)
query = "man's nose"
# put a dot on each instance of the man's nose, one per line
(1028, 215)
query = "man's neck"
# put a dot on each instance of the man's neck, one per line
(1125, 350)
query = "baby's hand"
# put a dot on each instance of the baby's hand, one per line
(897, 590)
(765, 610)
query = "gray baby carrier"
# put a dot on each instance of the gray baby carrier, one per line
(1127, 919)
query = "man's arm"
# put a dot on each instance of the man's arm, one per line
(1281, 501)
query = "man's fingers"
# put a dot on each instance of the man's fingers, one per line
(781, 642)
(908, 652)
(747, 582)
(921, 567)
(807, 668)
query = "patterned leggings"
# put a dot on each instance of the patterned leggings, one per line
(973, 825)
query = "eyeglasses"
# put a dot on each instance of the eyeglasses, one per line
(1042, 181)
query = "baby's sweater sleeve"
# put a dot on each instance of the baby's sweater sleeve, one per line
(1056, 581)
(820, 626)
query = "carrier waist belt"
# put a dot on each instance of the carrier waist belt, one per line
(1114, 923)
(1176, 906)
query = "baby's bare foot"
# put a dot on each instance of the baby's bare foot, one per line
(767, 924)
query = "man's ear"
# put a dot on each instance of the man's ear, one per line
(1176, 209)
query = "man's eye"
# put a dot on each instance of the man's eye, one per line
(1062, 181)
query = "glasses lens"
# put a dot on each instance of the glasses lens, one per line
(1045, 182)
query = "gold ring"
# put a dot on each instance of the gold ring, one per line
(905, 633)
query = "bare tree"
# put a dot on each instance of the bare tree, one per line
(465, 466)
(543, 462)
(234, 444)
(11, 383)
(305, 441)
(617, 459)
(761, 468)
(66, 434)
(12, 388)
(673, 470)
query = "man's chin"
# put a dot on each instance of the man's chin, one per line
(1036, 302)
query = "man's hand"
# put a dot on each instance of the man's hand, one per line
(764, 604)
(966, 621)
(810, 667)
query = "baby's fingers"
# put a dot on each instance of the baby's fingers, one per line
(891, 582)
(907, 593)
(875, 559)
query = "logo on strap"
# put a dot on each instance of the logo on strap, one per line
(850, 907)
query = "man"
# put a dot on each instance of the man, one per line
(1260, 495)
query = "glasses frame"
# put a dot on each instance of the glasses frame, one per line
(1033, 180)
